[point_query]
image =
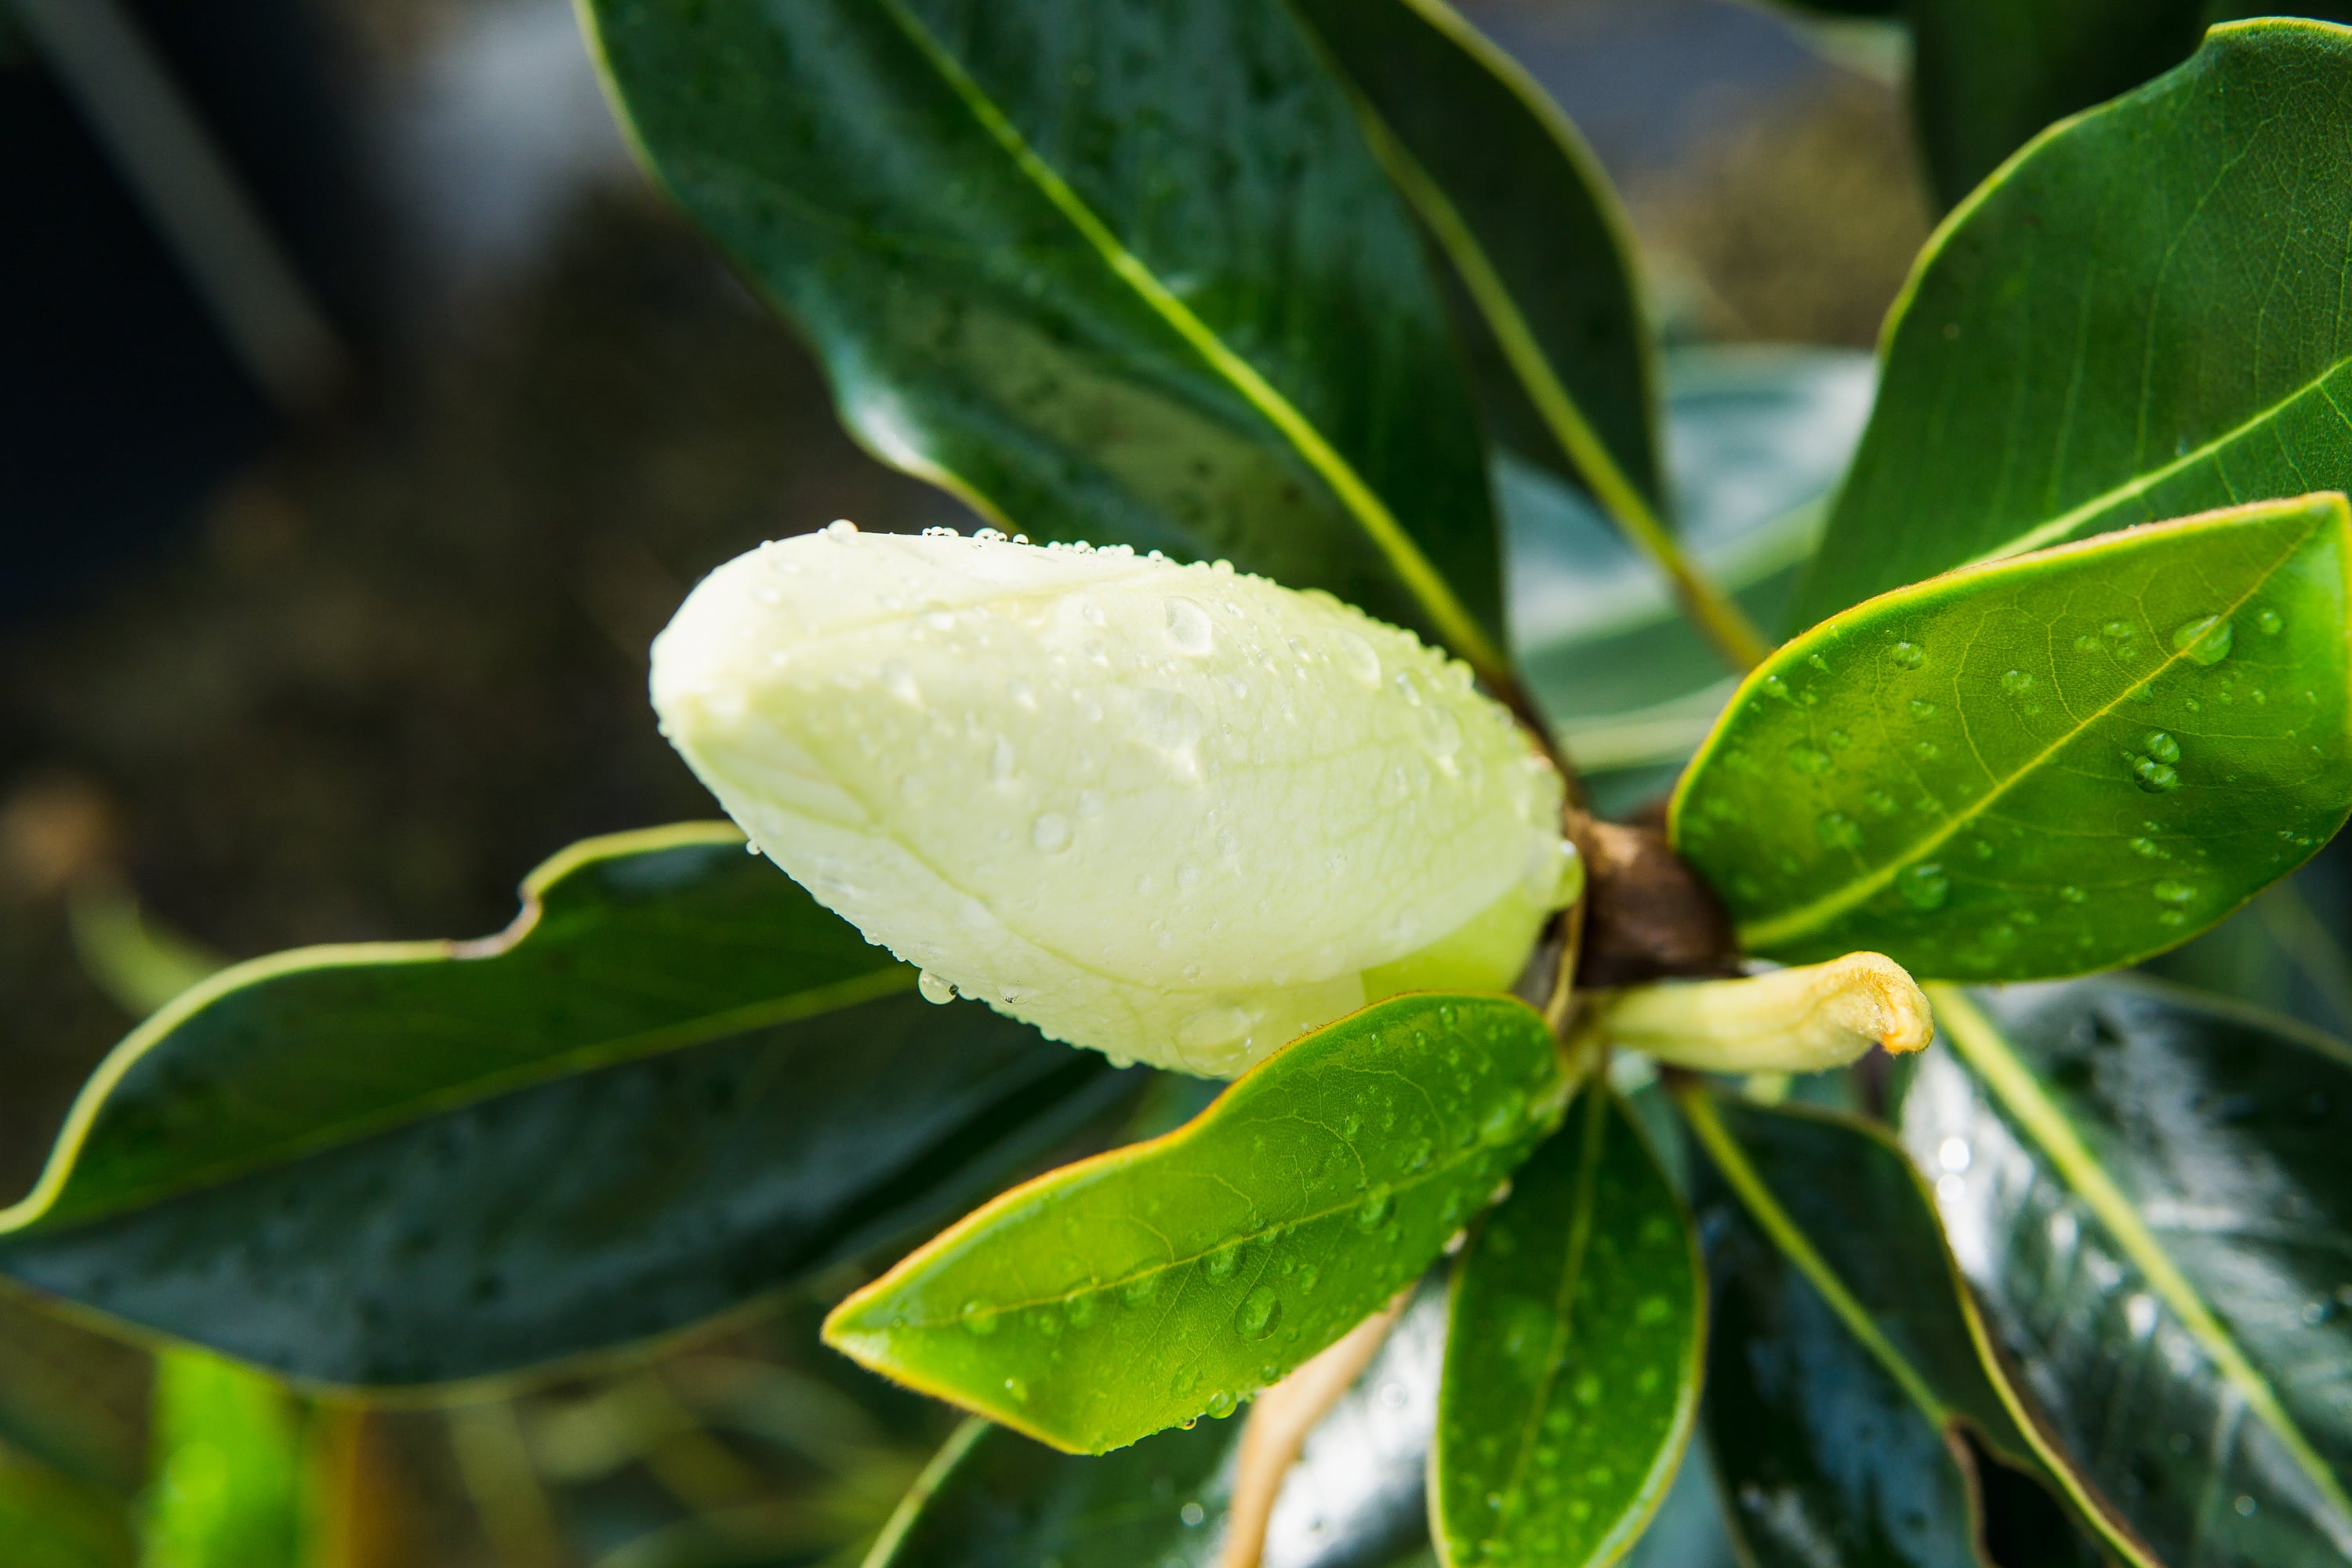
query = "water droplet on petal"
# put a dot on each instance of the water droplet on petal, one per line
(1189, 628)
(1050, 833)
(934, 989)
(1356, 657)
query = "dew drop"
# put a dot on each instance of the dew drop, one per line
(2170, 891)
(1212, 1026)
(2072, 894)
(2270, 623)
(899, 682)
(2016, 682)
(2155, 777)
(1922, 709)
(1356, 657)
(1186, 1380)
(1188, 628)
(1374, 1211)
(2161, 746)
(2206, 639)
(1924, 886)
(1000, 761)
(1223, 1403)
(1809, 759)
(1260, 1312)
(979, 1319)
(934, 989)
(1908, 654)
(1836, 830)
(1050, 833)
(1221, 1264)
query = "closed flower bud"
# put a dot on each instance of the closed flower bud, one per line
(1174, 813)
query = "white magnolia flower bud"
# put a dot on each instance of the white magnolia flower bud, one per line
(1172, 813)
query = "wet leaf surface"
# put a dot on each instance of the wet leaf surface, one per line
(1170, 1279)
(2042, 766)
(682, 1084)
(1573, 1359)
(1354, 1499)
(2147, 1189)
(1115, 273)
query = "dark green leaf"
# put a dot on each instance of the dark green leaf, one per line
(1572, 1358)
(1143, 1288)
(995, 1499)
(1518, 203)
(2041, 766)
(2148, 1192)
(1846, 1359)
(1108, 271)
(677, 1083)
(1988, 74)
(2137, 320)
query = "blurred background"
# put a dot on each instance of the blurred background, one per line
(363, 415)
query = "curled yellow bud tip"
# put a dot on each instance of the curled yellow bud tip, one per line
(1805, 1019)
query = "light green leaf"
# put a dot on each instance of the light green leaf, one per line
(1847, 1358)
(2042, 766)
(2147, 1191)
(1572, 1358)
(2138, 318)
(676, 1083)
(228, 1491)
(1113, 272)
(992, 1499)
(1146, 1286)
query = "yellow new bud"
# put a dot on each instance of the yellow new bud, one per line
(1174, 813)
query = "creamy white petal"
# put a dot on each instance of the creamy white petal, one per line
(1174, 813)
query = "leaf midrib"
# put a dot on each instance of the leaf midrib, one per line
(2067, 522)
(1275, 1230)
(1420, 579)
(2013, 1083)
(1809, 917)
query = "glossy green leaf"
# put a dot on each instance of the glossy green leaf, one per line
(229, 1489)
(1846, 1359)
(1113, 272)
(2041, 766)
(2137, 319)
(1353, 1499)
(1148, 1285)
(1572, 1358)
(1520, 207)
(676, 1083)
(2148, 1192)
